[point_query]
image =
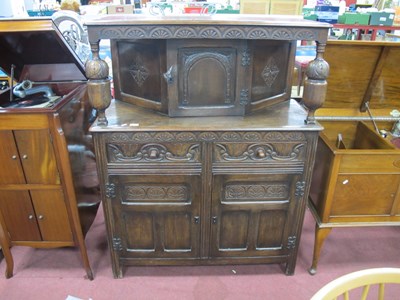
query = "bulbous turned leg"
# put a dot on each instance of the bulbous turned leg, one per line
(99, 87)
(315, 85)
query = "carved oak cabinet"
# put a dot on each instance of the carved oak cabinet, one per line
(203, 158)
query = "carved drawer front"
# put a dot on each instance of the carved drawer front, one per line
(262, 151)
(156, 216)
(151, 153)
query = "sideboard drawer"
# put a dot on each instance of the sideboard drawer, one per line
(154, 154)
(260, 152)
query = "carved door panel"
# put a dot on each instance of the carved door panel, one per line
(252, 215)
(207, 78)
(156, 216)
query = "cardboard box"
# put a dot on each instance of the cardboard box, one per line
(327, 13)
(354, 18)
(120, 9)
(381, 18)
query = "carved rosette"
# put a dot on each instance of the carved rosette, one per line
(315, 85)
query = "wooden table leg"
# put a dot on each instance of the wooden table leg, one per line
(320, 236)
(5, 247)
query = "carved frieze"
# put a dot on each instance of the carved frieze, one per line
(207, 136)
(261, 191)
(165, 31)
(155, 192)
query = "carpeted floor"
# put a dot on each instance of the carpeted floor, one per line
(58, 273)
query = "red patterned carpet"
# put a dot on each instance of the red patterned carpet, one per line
(58, 273)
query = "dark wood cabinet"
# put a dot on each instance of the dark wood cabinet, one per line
(203, 158)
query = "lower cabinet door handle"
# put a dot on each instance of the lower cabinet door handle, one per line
(40, 217)
(196, 219)
(214, 220)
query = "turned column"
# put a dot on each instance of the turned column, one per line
(315, 84)
(99, 87)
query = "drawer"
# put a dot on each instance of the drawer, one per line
(260, 153)
(154, 154)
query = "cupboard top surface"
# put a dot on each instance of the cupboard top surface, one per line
(220, 26)
(285, 116)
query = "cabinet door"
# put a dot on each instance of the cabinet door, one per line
(206, 77)
(52, 216)
(252, 215)
(11, 169)
(19, 215)
(37, 156)
(156, 216)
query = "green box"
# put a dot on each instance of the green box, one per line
(354, 18)
(381, 18)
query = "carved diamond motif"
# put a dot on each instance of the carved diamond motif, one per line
(139, 73)
(270, 72)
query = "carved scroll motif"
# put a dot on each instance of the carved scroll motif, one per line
(154, 152)
(270, 72)
(267, 150)
(270, 191)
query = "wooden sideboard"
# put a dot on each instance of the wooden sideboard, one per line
(203, 158)
(356, 178)
(48, 181)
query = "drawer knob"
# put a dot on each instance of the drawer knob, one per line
(24, 156)
(40, 217)
(153, 153)
(30, 217)
(14, 157)
(261, 153)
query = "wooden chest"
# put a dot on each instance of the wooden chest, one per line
(356, 179)
(214, 185)
(48, 179)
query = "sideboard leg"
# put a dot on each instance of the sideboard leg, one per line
(320, 236)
